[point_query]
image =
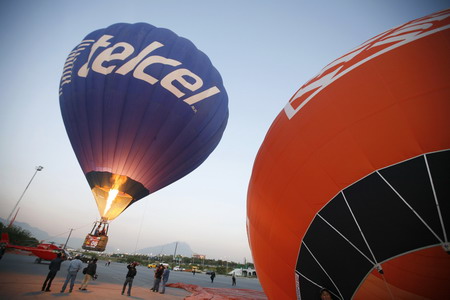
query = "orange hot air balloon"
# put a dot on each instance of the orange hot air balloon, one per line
(350, 190)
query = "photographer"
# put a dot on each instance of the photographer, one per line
(129, 278)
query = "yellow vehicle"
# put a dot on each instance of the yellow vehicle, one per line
(151, 266)
(196, 269)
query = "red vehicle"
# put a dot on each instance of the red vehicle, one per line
(42, 251)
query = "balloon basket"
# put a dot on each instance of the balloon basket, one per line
(95, 243)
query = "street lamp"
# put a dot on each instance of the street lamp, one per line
(38, 168)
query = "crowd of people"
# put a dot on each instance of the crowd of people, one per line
(160, 278)
(161, 275)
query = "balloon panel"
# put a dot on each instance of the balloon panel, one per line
(422, 272)
(142, 107)
(352, 173)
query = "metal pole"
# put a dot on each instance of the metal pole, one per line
(38, 168)
(175, 253)
(65, 245)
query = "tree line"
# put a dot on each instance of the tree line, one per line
(19, 236)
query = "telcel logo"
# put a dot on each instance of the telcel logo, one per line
(137, 65)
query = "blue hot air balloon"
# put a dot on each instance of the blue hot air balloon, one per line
(142, 108)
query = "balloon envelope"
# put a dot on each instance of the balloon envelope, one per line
(350, 189)
(142, 108)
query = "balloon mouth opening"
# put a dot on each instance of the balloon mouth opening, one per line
(114, 193)
(110, 202)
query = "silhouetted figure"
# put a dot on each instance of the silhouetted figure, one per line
(129, 278)
(54, 267)
(97, 230)
(103, 231)
(91, 269)
(213, 275)
(165, 278)
(158, 275)
(2, 250)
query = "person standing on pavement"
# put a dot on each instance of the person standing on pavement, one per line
(158, 274)
(91, 270)
(165, 278)
(72, 271)
(213, 275)
(129, 278)
(54, 267)
(233, 279)
(2, 250)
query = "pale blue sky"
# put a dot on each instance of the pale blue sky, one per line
(264, 50)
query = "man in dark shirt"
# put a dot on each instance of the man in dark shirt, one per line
(91, 270)
(158, 275)
(2, 250)
(54, 266)
(129, 278)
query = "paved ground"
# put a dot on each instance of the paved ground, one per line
(21, 278)
(19, 286)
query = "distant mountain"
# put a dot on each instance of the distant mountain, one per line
(41, 235)
(168, 249)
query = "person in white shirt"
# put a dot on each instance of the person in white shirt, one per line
(75, 265)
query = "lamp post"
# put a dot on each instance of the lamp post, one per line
(38, 168)
(65, 245)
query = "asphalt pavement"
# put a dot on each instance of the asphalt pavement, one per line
(22, 278)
